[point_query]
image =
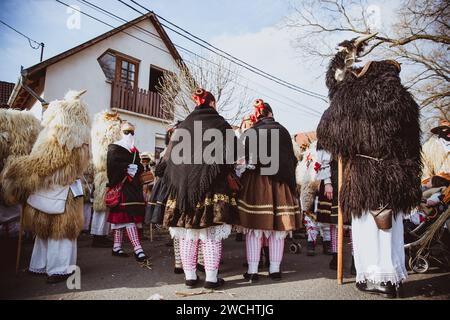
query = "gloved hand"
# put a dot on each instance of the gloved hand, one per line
(132, 169)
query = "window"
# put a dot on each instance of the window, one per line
(120, 67)
(155, 75)
(108, 64)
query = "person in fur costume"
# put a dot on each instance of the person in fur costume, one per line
(308, 184)
(372, 124)
(47, 181)
(105, 130)
(268, 204)
(18, 133)
(436, 151)
(123, 166)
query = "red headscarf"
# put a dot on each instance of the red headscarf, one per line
(259, 107)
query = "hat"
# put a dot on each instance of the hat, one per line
(145, 155)
(443, 124)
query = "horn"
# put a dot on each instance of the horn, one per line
(364, 38)
(80, 93)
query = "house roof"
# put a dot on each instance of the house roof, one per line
(5, 91)
(34, 75)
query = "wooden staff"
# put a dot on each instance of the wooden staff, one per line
(340, 275)
(19, 242)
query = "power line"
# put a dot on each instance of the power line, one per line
(312, 112)
(228, 56)
(39, 44)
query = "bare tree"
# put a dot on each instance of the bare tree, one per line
(219, 76)
(419, 39)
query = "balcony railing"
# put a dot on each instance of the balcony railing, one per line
(136, 100)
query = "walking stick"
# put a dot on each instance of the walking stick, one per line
(151, 232)
(340, 226)
(19, 243)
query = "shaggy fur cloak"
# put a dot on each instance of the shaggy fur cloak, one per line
(18, 132)
(105, 131)
(372, 114)
(435, 158)
(59, 156)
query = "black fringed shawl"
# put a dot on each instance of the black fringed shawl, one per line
(373, 115)
(287, 161)
(188, 183)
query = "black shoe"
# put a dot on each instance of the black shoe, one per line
(275, 276)
(252, 277)
(214, 285)
(387, 290)
(191, 284)
(310, 249)
(200, 267)
(140, 257)
(178, 270)
(327, 247)
(352, 267)
(55, 278)
(333, 262)
(120, 253)
(101, 242)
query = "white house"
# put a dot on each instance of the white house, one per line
(119, 69)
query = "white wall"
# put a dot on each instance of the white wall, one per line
(82, 71)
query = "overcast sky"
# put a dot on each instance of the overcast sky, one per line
(250, 30)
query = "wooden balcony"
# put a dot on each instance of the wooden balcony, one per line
(136, 100)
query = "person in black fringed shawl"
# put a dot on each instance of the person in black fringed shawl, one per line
(123, 165)
(201, 206)
(268, 204)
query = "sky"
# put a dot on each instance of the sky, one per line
(250, 30)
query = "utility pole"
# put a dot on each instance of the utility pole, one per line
(42, 50)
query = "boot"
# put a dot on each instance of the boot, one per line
(101, 242)
(310, 249)
(387, 290)
(326, 247)
(333, 262)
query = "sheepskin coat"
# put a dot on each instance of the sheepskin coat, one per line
(306, 178)
(105, 130)
(59, 157)
(435, 158)
(371, 114)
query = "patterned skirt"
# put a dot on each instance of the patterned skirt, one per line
(265, 204)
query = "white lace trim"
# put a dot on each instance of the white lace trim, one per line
(217, 233)
(38, 270)
(379, 277)
(267, 233)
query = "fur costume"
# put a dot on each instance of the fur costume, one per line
(59, 156)
(372, 123)
(297, 149)
(435, 158)
(306, 178)
(105, 130)
(18, 132)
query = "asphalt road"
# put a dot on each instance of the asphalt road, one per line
(107, 277)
